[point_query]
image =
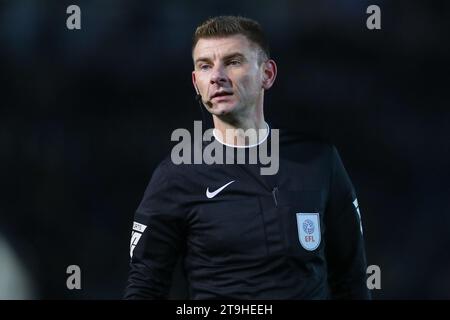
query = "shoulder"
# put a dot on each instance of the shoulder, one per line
(305, 146)
(167, 170)
(168, 174)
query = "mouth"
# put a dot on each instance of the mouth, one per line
(221, 94)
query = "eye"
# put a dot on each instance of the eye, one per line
(234, 62)
(204, 67)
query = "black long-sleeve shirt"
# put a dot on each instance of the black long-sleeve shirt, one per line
(293, 235)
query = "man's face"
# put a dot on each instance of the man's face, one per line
(228, 74)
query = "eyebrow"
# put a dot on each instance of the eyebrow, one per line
(227, 57)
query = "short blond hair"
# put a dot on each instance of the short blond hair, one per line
(223, 26)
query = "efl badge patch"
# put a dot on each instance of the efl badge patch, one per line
(308, 226)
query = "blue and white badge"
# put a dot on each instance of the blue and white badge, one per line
(308, 226)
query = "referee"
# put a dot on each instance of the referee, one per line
(293, 234)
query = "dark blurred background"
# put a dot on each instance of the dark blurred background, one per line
(86, 115)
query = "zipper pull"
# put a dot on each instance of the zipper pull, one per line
(274, 193)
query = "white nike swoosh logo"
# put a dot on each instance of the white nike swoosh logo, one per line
(213, 194)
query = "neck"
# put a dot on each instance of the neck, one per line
(236, 132)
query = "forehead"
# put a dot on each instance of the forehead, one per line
(217, 47)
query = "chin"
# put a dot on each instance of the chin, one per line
(223, 109)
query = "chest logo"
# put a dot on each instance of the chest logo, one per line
(210, 195)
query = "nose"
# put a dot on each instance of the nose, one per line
(218, 76)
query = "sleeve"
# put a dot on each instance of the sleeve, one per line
(345, 251)
(157, 238)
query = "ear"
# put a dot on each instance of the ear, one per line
(194, 82)
(269, 74)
